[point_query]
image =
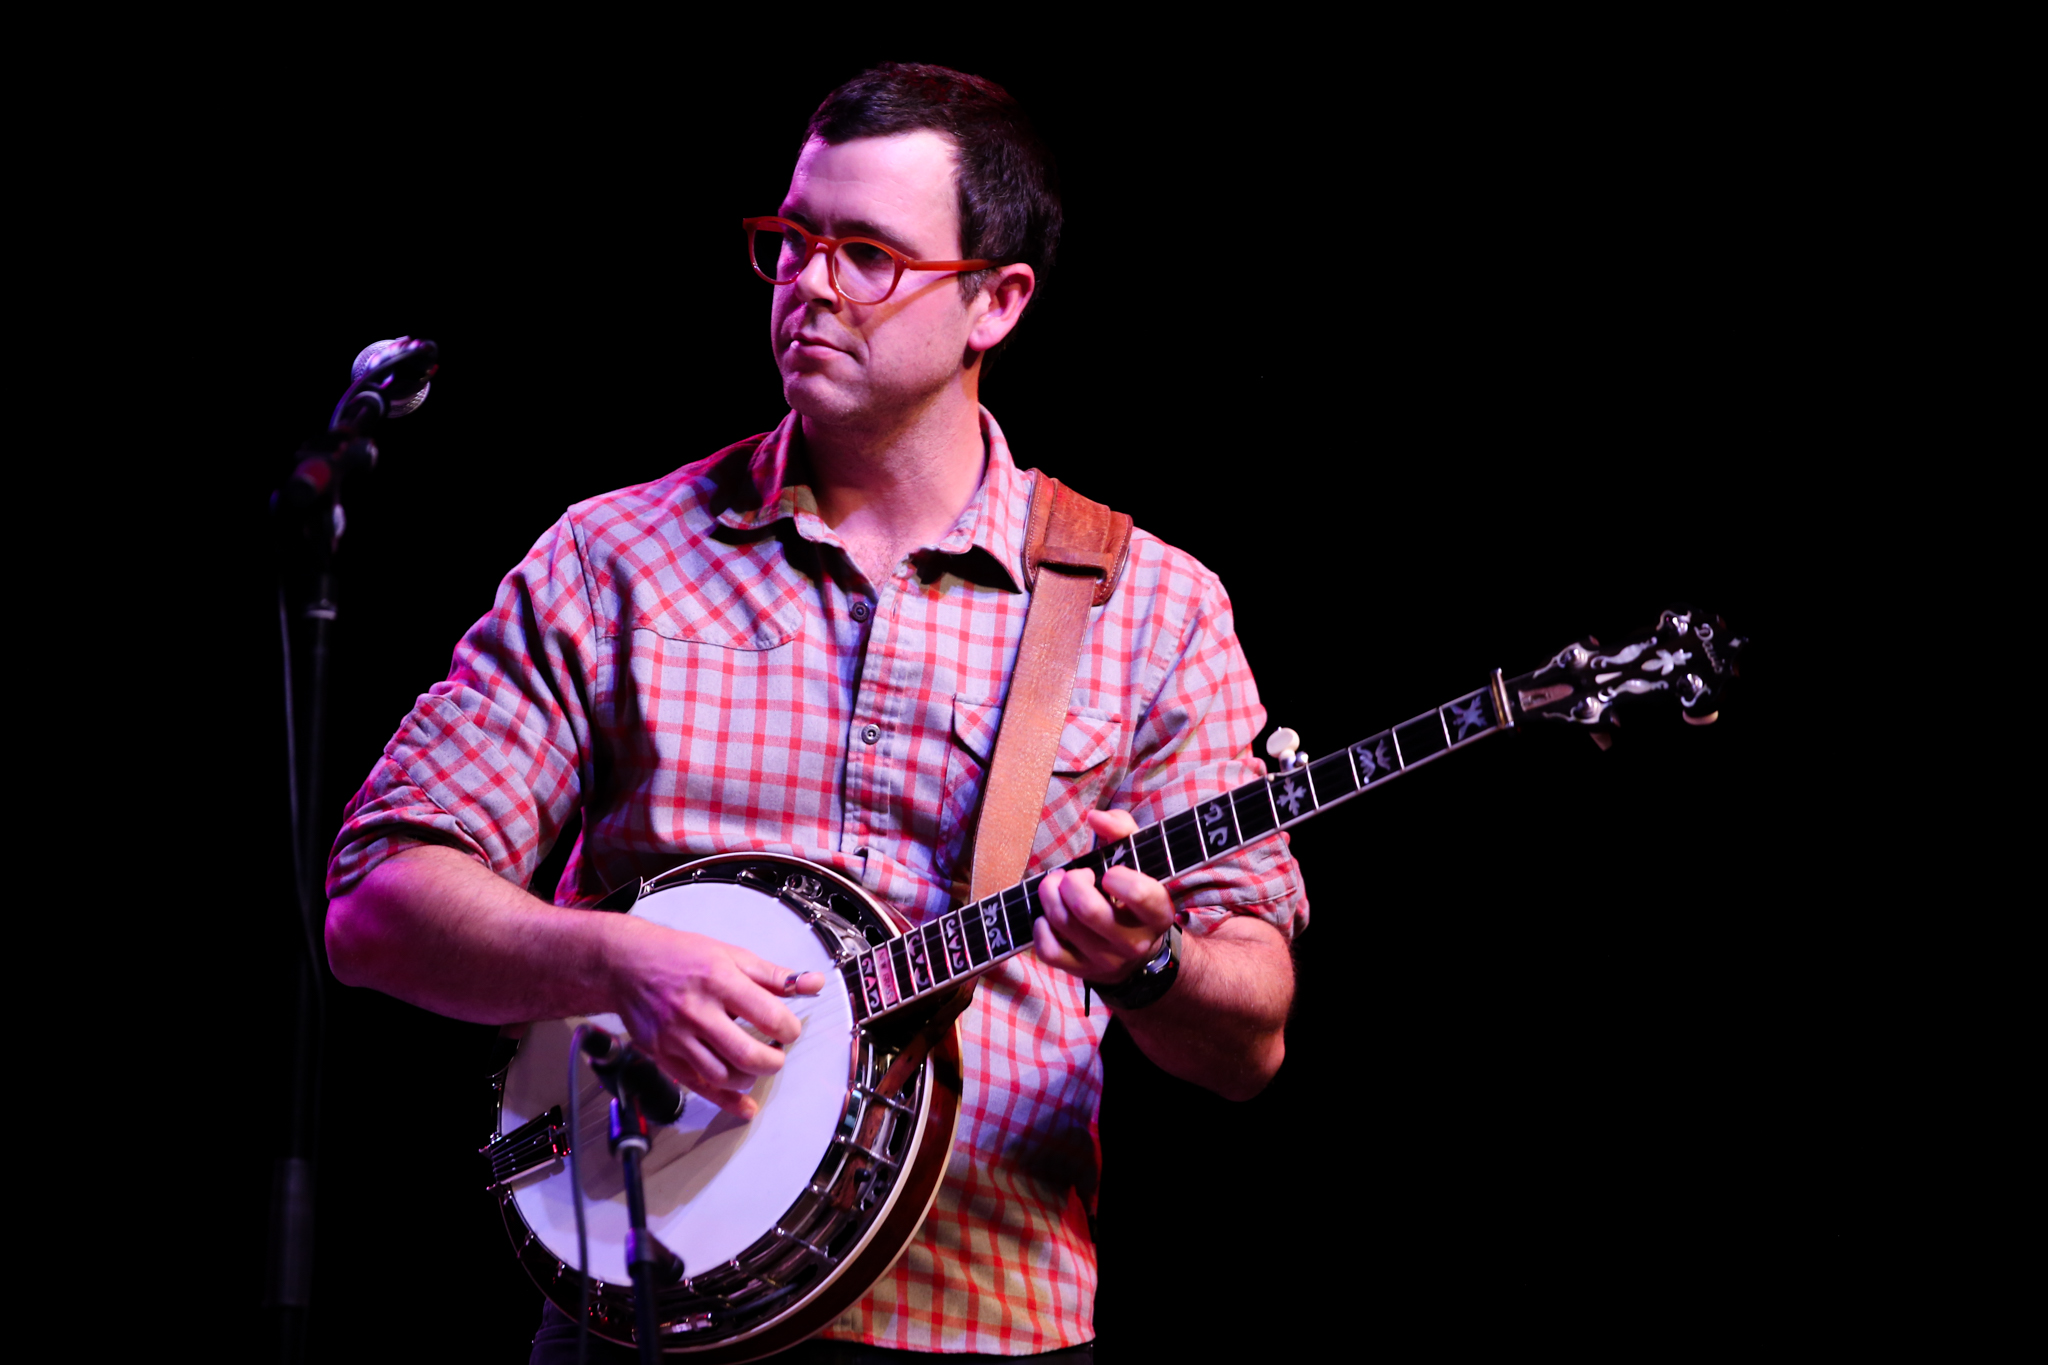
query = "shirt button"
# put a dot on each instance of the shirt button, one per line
(860, 609)
(871, 734)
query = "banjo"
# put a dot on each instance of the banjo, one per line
(783, 1220)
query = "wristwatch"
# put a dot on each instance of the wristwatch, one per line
(1150, 981)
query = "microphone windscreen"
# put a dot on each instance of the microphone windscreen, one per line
(375, 354)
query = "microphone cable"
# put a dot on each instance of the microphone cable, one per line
(576, 1197)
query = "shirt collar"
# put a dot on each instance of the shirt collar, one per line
(993, 520)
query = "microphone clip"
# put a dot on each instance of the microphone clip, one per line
(634, 1082)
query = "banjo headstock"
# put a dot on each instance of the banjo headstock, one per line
(1686, 657)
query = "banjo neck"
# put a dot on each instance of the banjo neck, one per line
(1683, 657)
(960, 944)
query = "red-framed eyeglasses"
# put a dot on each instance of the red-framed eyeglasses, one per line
(862, 270)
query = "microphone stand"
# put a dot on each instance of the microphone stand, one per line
(314, 494)
(650, 1262)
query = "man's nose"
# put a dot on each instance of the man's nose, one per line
(814, 281)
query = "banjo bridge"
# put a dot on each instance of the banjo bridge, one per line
(537, 1143)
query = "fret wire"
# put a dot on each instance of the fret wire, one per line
(1264, 817)
(1090, 861)
(957, 960)
(1443, 725)
(899, 961)
(1384, 765)
(1290, 788)
(971, 932)
(1150, 857)
(990, 911)
(1007, 907)
(1004, 900)
(1230, 799)
(919, 959)
(885, 975)
(1323, 775)
(849, 972)
(935, 954)
(1024, 910)
(1186, 828)
(1225, 825)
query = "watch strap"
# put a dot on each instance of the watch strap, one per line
(1150, 981)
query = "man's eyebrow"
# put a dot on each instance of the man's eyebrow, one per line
(859, 227)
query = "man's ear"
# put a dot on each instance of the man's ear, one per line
(999, 303)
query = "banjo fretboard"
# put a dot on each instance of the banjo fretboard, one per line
(965, 942)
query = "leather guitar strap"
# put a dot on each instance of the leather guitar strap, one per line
(1074, 554)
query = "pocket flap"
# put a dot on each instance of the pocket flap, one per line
(1088, 739)
(975, 724)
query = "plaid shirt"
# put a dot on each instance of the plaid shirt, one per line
(699, 665)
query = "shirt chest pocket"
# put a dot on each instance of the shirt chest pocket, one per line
(1081, 768)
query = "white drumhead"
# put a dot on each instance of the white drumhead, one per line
(714, 1183)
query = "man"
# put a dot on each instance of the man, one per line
(802, 644)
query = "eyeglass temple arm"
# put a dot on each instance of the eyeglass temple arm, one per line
(754, 225)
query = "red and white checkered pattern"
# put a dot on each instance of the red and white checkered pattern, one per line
(700, 666)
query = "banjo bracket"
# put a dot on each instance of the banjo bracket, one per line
(805, 894)
(538, 1143)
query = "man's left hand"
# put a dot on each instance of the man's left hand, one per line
(1102, 933)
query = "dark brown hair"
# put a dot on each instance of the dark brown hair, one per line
(1009, 186)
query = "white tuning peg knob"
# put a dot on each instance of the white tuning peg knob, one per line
(1282, 747)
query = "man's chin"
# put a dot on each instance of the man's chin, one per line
(814, 397)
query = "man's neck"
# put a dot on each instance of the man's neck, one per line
(887, 490)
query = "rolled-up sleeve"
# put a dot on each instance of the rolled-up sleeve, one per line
(492, 761)
(1194, 742)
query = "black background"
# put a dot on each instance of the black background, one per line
(1439, 361)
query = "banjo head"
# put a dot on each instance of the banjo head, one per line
(775, 1218)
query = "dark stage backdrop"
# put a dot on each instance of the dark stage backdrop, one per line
(1438, 373)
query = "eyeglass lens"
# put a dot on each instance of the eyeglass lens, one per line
(865, 272)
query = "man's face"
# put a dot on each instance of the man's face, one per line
(866, 364)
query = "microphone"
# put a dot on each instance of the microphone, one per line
(388, 380)
(630, 1074)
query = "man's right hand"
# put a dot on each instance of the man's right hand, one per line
(438, 929)
(681, 997)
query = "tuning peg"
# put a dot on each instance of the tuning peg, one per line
(1283, 747)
